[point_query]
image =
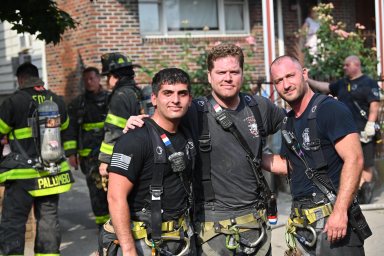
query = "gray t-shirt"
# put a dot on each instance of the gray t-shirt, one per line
(232, 178)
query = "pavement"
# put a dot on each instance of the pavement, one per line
(79, 231)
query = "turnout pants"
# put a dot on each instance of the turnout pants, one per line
(99, 203)
(17, 204)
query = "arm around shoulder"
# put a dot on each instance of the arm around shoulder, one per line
(322, 87)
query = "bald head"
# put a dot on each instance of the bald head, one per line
(352, 67)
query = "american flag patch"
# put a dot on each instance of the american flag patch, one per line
(120, 160)
(165, 140)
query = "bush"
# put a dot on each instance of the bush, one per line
(334, 44)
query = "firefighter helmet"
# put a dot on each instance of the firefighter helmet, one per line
(114, 61)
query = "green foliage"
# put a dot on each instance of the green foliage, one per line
(334, 44)
(40, 17)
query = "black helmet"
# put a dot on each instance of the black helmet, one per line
(113, 61)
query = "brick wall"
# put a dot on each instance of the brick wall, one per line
(113, 25)
(107, 26)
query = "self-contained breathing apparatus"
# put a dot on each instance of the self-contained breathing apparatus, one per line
(317, 175)
(45, 124)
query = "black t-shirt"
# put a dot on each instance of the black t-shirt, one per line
(133, 158)
(334, 121)
(363, 90)
(232, 178)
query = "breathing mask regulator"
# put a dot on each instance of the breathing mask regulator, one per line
(45, 125)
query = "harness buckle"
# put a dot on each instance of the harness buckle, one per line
(309, 172)
(156, 192)
(205, 143)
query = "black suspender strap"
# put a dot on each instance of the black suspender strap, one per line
(205, 149)
(156, 187)
(315, 143)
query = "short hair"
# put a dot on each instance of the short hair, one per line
(278, 59)
(91, 69)
(170, 76)
(222, 51)
(27, 70)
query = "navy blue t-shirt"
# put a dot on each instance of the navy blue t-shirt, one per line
(363, 90)
(334, 121)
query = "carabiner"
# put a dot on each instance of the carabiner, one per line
(302, 239)
(186, 240)
(255, 243)
(170, 238)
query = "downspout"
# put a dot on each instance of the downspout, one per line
(269, 45)
(379, 12)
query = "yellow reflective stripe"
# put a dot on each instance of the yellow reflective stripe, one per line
(47, 254)
(51, 191)
(116, 120)
(4, 127)
(28, 173)
(65, 124)
(106, 148)
(71, 144)
(22, 133)
(91, 126)
(84, 152)
(102, 219)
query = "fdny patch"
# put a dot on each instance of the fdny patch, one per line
(121, 161)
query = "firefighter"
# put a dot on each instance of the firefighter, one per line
(123, 102)
(325, 160)
(87, 114)
(31, 177)
(149, 190)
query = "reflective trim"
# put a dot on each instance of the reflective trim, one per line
(47, 254)
(102, 219)
(65, 124)
(92, 126)
(51, 191)
(116, 120)
(21, 133)
(106, 148)
(4, 127)
(28, 173)
(84, 152)
(71, 144)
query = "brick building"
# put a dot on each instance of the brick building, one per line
(169, 33)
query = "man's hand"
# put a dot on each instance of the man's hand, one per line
(370, 128)
(74, 161)
(134, 121)
(336, 227)
(103, 169)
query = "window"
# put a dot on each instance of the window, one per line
(177, 17)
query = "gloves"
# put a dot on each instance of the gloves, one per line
(370, 129)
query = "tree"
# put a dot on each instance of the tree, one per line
(40, 17)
